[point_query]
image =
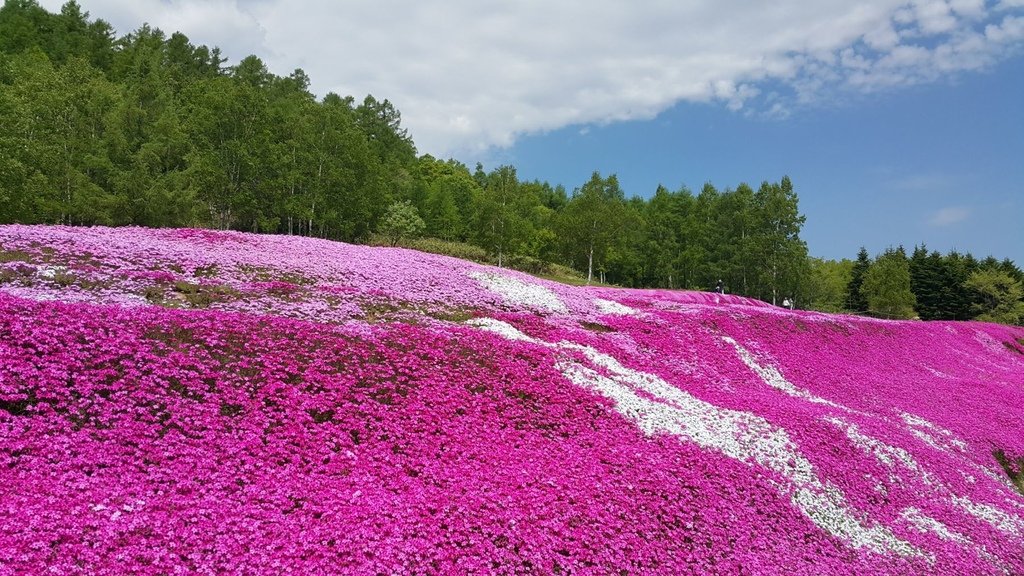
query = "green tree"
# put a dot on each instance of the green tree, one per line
(777, 244)
(661, 241)
(390, 145)
(24, 25)
(291, 117)
(956, 298)
(855, 300)
(592, 220)
(503, 212)
(446, 193)
(743, 229)
(826, 285)
(230, 165)
(998, 296)
(58, 138)
(926, 271)
(886, 286)
(401, 221)
(346, 194)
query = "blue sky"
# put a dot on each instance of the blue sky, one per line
(941, 163)
(899, 121)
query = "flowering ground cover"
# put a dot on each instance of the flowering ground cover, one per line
(184, 401)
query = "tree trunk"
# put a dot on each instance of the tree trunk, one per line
(590, 263)
(775, 276)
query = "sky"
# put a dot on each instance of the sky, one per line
(898, 122)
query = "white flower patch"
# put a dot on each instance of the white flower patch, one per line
(886, 454)
(504, 329)
(925, 523)
(938, 373)
(935, 436)
(774, 378)
(614, 308)
(828, 510)
(987, 341)
(1001, 520)
(50, 272)
(521, 293)
(743, 436)
(890, 455)
(1001, 479)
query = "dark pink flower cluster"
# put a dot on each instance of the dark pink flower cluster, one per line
(187, 401)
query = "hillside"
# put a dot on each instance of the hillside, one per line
(192, 401)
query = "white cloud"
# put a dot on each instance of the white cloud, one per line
(949, 216)
(470, 75)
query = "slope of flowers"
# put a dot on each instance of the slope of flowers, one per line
(181, 401)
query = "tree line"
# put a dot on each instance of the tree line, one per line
(926, 285)
(150, 129)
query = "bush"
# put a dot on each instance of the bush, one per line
(401, 221)
(473, 253)
(448, 248)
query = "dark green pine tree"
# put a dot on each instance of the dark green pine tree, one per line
(855, 301)
(956, 298)
(926, 282)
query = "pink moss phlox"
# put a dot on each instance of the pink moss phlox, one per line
(335, 415)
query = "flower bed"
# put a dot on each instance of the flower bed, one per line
(328, 408)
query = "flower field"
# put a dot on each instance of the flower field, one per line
(187, 401)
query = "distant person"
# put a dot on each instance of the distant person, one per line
(719, 288)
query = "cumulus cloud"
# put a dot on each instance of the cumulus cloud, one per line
(949, 216)
(470, 75)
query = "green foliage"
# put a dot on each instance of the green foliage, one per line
(592, 220)
(462, 250)
(401, 220)
(150, 129)
(998, 296)
(927, 275)
(153, 130)
(14, 256)
(886, 286)
(855, 299)
(504, 214)
(826, 284)
(775, 241)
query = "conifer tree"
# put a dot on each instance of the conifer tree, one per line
(855, 300)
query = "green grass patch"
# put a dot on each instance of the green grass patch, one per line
(209, 271)
(195, 295)
(457, 315)
(14, 256)
(1013, 466)
(567, 275)
(473, 253)
(65, 278)
(597, 327)
(461, 250)
(68, 278)
(264, 274)
(375, 311)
